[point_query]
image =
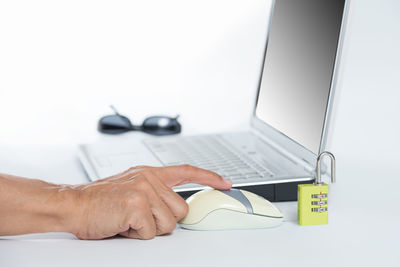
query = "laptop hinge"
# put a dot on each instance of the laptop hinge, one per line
(309, 167)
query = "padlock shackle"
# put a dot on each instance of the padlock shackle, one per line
(333, 167)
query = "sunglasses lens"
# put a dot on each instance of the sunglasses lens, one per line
(159, 125)
(114, 124)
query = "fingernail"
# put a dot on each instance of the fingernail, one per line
(228, 181)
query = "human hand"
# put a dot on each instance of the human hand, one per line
(138, 203)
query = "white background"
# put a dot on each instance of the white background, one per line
(63, 62)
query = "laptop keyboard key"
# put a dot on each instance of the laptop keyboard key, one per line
(209, 153)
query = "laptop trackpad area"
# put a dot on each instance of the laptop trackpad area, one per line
(110, 158)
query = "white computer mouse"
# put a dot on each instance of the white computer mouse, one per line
(230, 209)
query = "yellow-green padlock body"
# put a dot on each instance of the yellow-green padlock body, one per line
(306, 215)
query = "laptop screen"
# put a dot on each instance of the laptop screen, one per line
(298, 68)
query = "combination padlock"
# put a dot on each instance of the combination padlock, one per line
(313, 198)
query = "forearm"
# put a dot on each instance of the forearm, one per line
(34, 206)
(137, 203)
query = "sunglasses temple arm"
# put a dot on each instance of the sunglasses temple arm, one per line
(115, 110)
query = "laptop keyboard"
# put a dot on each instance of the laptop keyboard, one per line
(209, 152)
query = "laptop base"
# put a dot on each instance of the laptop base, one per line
(271, 192)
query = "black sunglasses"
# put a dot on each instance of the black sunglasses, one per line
(155, 125)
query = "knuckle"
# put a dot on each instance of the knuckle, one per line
(132, 169)
(150, 233)
(182, 210)
(186, 167)
(142, 168)
(215, 175)
(145, 172)
(164, 191)
(166, 226)
(136, 199)
(143, 184)
(170, 226)
(138, 169)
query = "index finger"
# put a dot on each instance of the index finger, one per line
(184, 174)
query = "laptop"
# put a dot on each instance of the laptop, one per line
(290, 119)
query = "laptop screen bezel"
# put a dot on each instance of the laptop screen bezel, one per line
(278, 138)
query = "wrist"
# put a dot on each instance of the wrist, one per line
(34, 206)
(52, 208)
(64, 208)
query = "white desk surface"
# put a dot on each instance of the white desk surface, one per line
(363, 227)
(58, 110)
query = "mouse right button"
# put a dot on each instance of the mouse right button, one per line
(262, 206)
(239, 196)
